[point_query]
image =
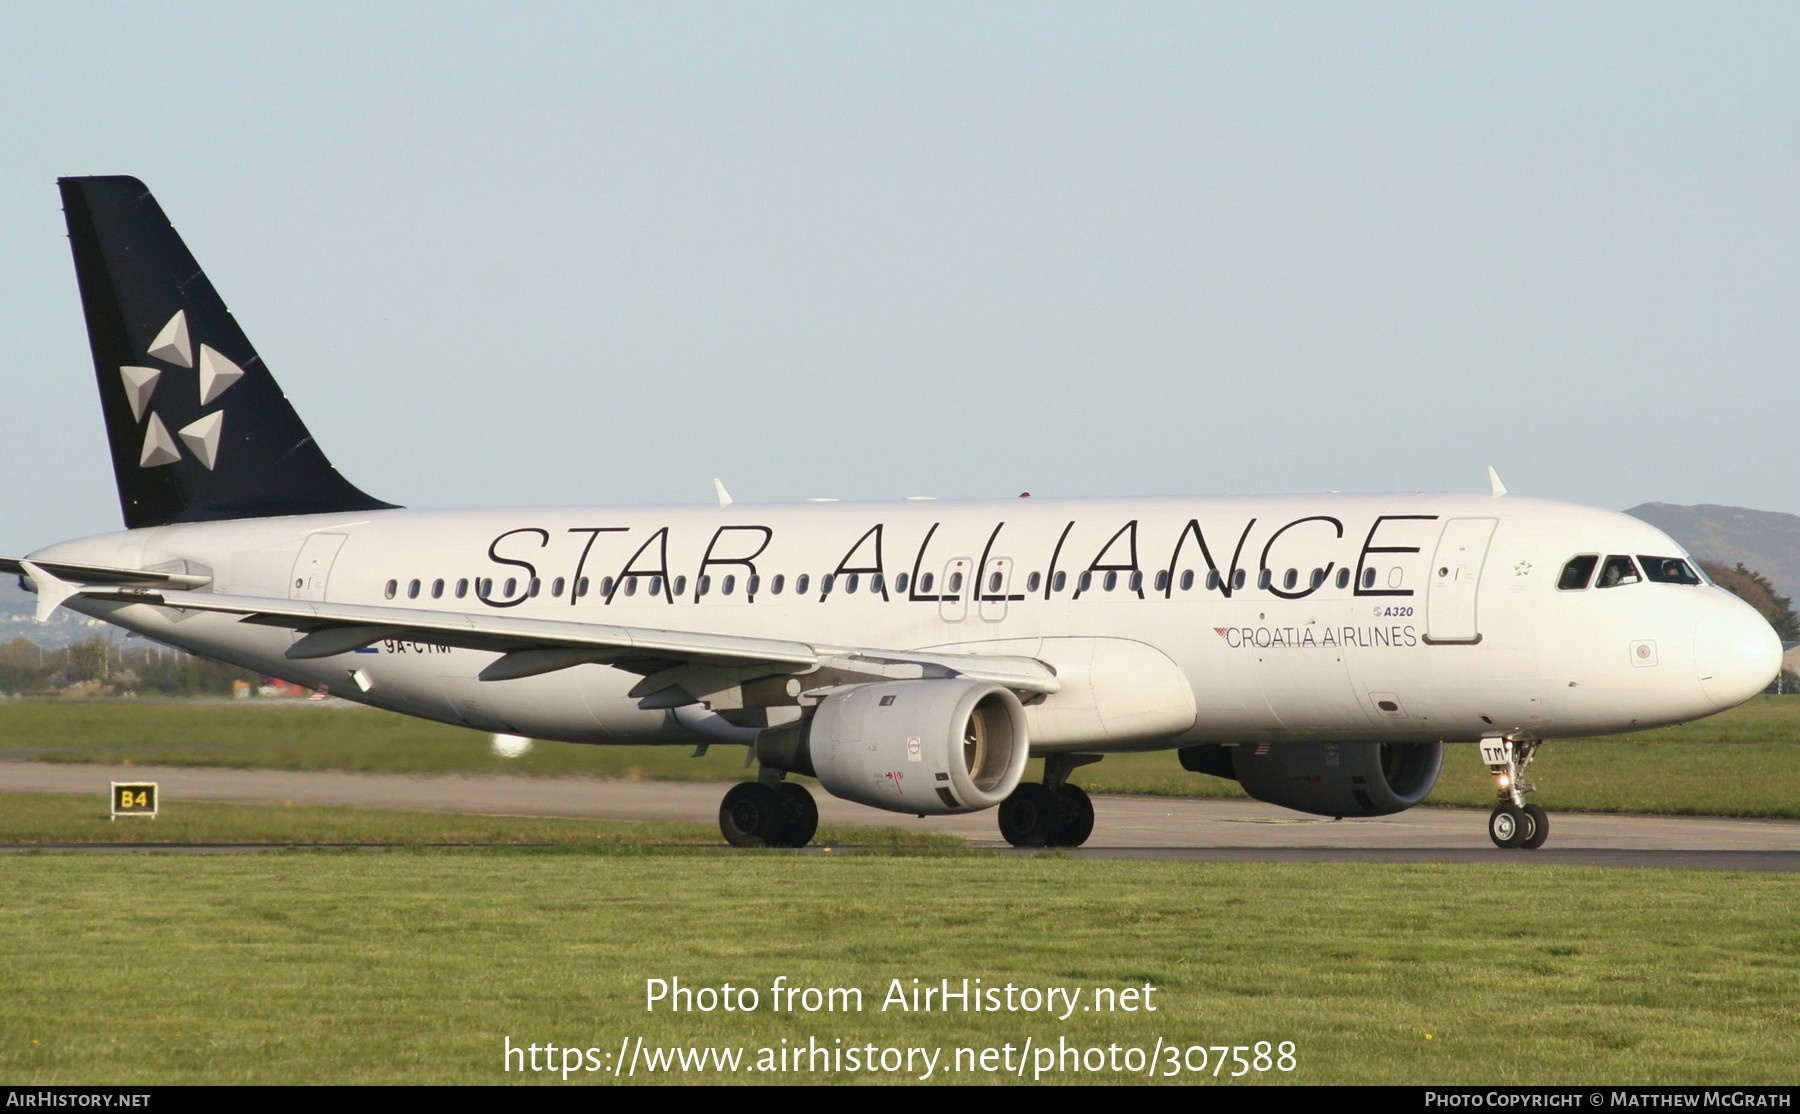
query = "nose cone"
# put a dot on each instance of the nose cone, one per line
(1736, 652)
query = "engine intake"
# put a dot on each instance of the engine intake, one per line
(930, 747)
(1326, 779)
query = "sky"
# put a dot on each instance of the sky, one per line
(601, 253)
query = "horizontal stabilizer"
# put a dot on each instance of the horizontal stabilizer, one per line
(103, 574)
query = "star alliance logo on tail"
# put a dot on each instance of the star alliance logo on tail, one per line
(217, 374)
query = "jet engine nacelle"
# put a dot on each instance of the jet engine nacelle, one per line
(930, 747)
(1326, 779)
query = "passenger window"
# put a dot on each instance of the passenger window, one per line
(512, 587)
(1061, 582)
(1368, 578)
(485, 587)
(1290, 578)
(705, 585)
(631, 585)
(1237, 581)
(1262, 579)
(412, 590)
(924, 584)
(900, 583)
(875, 583)
(729, 586)
(1577, 573)
(606, 587)
(393, 586)
(827, 583)
(1343, 578)
(850, 582)
(1087, 579)
(437, 589)
(556, 587)
(1187, 581)
(1212, 580)
(752, 585)
(993, 583)
(1033, 582)
(955, 584)
(1112, 581)
(1318, 577)
(778, 584)
(1137, 582)
(656, 585)
(581, 587)
(1162, 580)
(1617, 571)
(681, 585)
(462, 587)
(1669, 570)
(800, 583)
(536, 584)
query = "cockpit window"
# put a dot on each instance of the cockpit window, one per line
(1617, 571)
(1577, 572)
(1669, 570)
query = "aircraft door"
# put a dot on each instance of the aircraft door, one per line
(953, 603)
(991, 592)
(1455, 577)
(312, 569)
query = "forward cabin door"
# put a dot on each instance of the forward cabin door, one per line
(1455, 577)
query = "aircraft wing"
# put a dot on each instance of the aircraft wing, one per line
(679, 667)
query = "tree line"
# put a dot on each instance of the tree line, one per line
(103, 666)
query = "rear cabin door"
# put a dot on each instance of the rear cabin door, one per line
(1455, 578)
(312, 569)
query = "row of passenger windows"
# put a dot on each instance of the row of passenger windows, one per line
(1618, 570)
(849, 583)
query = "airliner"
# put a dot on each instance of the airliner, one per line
(912, 656)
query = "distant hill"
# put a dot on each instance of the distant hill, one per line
(1764, 541)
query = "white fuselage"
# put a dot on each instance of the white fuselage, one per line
(1169, 621)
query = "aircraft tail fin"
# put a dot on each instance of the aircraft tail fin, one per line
(199, 429)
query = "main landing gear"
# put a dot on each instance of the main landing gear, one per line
(1051, 813)
(1513, 823)
(768, 812)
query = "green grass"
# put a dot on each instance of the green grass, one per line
(50, 818)
(1740, 763)
(413, 967)
(307, 736)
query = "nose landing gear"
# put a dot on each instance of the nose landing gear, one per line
(1513, 823)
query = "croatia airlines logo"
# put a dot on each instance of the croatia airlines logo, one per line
(217, 374)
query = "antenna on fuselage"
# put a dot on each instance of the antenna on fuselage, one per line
(1494, 482)
(724, 496)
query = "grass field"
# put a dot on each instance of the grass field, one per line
(1740, 763)
(414, 967)
(55, 818)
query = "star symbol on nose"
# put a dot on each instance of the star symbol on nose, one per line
(1523, 568)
